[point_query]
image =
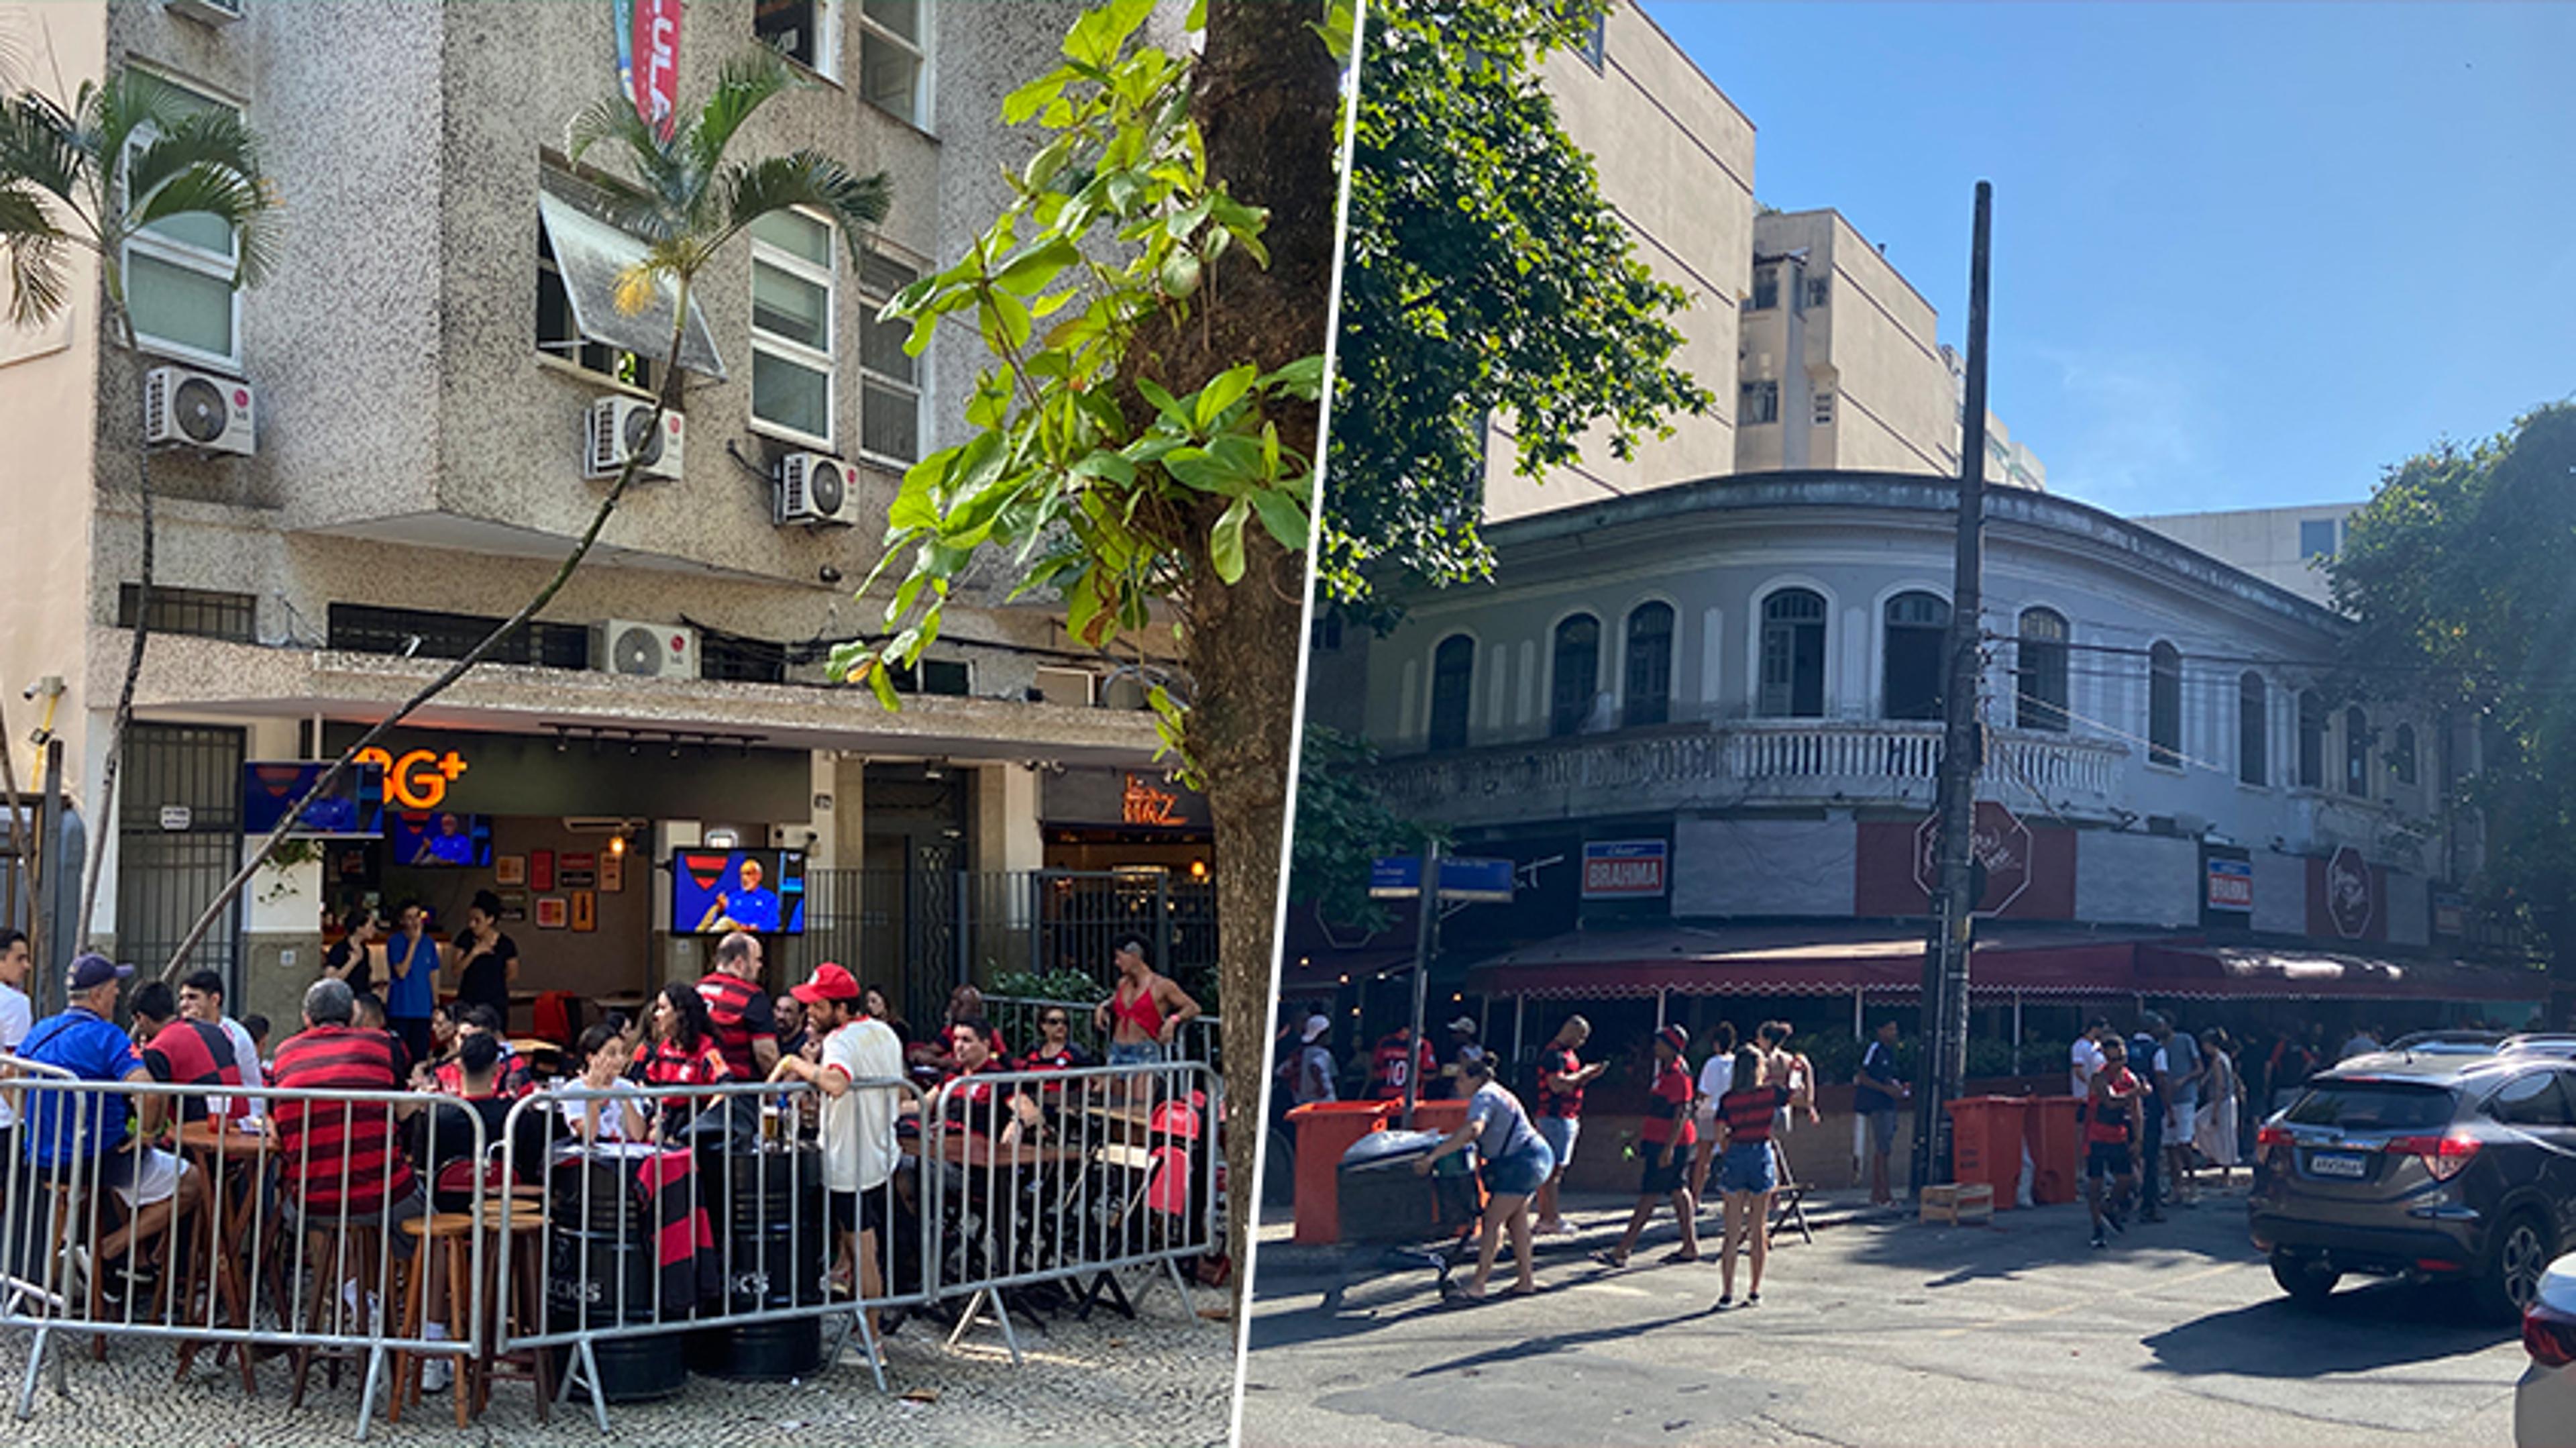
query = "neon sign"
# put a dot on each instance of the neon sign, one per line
(1142, 804)
(417, 779)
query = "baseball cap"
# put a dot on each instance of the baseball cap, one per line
(92, 970)
(830, 983)
(1675, 1037)
(1463, 1023)
(1316, 1026)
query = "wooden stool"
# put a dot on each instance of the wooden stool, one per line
(227, 1230)
(323, 1238)
(523, 1253)
(444, 1239)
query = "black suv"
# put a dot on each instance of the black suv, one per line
(2433, 1167)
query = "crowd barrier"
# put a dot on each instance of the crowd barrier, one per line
(1017, 1017)
(577, 1247)
(237, 1232)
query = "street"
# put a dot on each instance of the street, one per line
(1882, 1332)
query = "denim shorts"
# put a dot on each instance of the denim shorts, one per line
(1136, 1053)
(1560, 1133)
(1522, 1172)
(1747, 1167)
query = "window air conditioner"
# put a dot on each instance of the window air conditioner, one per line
(812, 489)
(196, 409)
(645, 650)
(617, 428)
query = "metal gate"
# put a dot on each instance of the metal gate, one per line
(178, 840)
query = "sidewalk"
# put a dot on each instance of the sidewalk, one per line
(1597, 1219)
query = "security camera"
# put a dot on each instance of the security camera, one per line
(828, 573)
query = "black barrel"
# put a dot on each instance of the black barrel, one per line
(770, 1224)
(1382, 1200)
(600, 1272)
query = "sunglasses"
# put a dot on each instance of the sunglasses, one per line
(1052, 1021)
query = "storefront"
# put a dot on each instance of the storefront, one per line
(1126, 820)
(597, 845)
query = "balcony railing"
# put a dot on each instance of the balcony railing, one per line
(1702, 765)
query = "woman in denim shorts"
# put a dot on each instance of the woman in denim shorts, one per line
(1517, 1162)
(1745, 1172)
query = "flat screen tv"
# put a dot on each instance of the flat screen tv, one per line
(716, 891)
(440, 839)
(355, 805)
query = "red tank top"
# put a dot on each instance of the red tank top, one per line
(1139, 1010)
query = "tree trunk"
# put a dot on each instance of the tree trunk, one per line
(121, 723)
(1265, 100)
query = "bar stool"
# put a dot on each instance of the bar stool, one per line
(444, 1240)
(325, 1237)
(227, 1229)
(522, 1254)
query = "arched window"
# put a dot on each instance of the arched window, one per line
(2164, 705)
(1910, 674)
(1453, 691)
(2253, 729)
(2312, 740)
(2039, 671)
(2401, 755)
(1793, 655)
(1578, 673)
(1649, 689)
(2356, 751)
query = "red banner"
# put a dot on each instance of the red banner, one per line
(648, 60)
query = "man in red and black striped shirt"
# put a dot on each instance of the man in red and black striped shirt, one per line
(744, 1018)
(1665, 1138)
(183, 1052)
(337, 1157)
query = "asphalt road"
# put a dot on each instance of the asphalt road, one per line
(1890, 1333)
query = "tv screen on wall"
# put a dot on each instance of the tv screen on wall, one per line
(354, 806)
(440, 839)
(716, 891)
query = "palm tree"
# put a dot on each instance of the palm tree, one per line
(682, 197)
(129, 154)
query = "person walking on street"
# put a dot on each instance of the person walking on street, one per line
(1748, 1173)
(1716, 1078)
(2150, 1141)
(2176, 1067)
(1463, 1047)
(1516, 1162)
(1144, 1012)
(1877, 1094)
(1395, 1061)
(2086, 1056)
(1666, 1138)
(1784, 1067)
(1561, 1079)
(2214, 1131)
(2114, 1113)
(1314, 1076)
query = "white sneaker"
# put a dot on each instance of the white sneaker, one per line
(437, 1375)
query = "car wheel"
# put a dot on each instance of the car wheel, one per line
(2517, 1256)
(2308, 1283)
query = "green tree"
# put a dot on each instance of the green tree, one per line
(2458, 572)
(687, 200)
(1343, 825)
(130, 154)
(1485, 278)
(1153, 300)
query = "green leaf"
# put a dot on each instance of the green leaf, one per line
(1025, 102)
(1181, 274)
(1164, 402)
(1225, 542)
(1301, 378)
(1283, 515)
(1223, 392)
(1032, 271)
(1105, 465)
(1198, 468)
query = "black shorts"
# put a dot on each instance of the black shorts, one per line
(2107, 1158)
(860, 1211)
(1662, 1180)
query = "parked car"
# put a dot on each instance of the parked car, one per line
(2544, 1406)
(2449, 1043)
(2541, 1043)
(2435, 1168)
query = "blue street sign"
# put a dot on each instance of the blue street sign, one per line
(1469, 880)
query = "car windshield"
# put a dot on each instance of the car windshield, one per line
(2373, 1106)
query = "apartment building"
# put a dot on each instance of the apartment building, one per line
(429, 393)
(2286, 547)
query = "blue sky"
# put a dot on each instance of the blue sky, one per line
(2245, 255)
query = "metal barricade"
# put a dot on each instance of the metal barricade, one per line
(706, 1213)
(1018, 1017)
(236, 1236)
(1060, 1176)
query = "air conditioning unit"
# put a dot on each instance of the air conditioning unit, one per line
(620, 427)
(210, 12)
(196, 409)
(645, 650)
(813, 489)
(1126, 692)
(1066, 686)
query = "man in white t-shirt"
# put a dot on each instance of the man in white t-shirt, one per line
(2086, 1058)
(859, 1148)
(17, 1015)
(201, 998)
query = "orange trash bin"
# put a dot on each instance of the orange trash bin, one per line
(1325, 1130)
(1440, 1116)
(2054, 1131)
(1986, 1143)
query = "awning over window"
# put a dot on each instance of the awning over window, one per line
(2222, 972)
(592, 255)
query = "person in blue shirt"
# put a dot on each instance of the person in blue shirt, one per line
(1877, 1094)
(92, 1137)
(749, 908)
(411, 986)
(446, 842)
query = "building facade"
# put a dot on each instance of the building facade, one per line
(2286, 547)
(441, 379)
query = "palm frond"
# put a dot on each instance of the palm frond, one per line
(611, 120)
(127, 103)
(809, 179)
(33, 245)
(225, 196)
(212, 150)
(745, 83)
(40, 146)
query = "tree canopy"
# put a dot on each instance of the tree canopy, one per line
(1484, 276)
(2459, 571)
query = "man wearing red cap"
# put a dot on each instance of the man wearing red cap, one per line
(1666, 1138)
(859, 1150)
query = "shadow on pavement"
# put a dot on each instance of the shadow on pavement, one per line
(1555, 1342)
(2380, 1326)
(2032, 1239)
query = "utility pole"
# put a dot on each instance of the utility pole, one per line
(1945, 958)
(1426, 936)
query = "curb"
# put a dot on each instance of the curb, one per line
(1297, 1259)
